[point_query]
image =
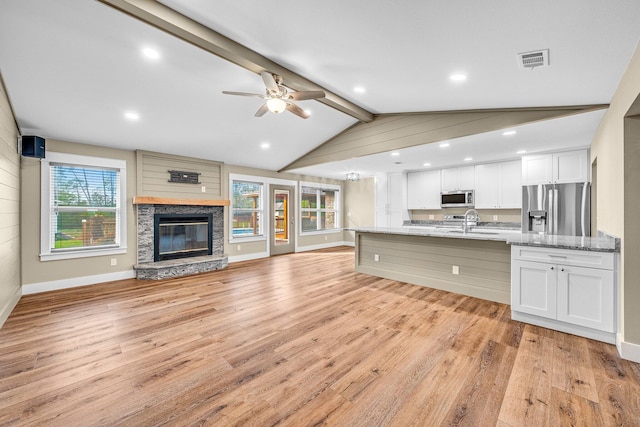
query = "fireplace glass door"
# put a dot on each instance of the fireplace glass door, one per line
(181, 236)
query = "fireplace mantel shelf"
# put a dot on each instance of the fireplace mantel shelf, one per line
(142, 200)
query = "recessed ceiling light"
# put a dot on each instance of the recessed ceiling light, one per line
(444, 145)
(458, 77)
(468, 159)
(265, 145)
(427, 164)
(395, 153)
(521, 152)
(509, 132)
(151, 53)
(131, 115)
(359, 89)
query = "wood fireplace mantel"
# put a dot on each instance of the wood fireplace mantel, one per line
(142, 200)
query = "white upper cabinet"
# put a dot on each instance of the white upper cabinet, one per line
(571, 166)
(498, 185)
(462, 178)
(423, 190)
(558, 168)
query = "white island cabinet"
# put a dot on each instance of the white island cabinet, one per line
(569, 290)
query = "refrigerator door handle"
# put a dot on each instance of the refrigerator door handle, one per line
(555, 212)
(550, 217)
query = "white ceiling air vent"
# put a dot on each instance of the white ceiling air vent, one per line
(531, 60)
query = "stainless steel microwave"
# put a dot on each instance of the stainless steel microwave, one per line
(457, 199)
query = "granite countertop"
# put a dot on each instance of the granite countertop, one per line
(510, 236)
(477, 233)
(597, 244)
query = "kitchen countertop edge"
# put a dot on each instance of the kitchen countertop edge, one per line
(595, 244)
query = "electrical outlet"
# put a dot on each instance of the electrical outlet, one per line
(326, 237)
(238, 248)
(204, 189)
(376, 257)
(495, 217)
(114, 261)
(455, 269)
(348, 214)
(431, 216)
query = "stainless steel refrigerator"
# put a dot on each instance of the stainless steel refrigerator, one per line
(562, 209)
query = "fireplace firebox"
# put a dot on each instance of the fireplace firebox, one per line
(181, 235)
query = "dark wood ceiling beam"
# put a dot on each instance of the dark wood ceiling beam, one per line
(178, 25)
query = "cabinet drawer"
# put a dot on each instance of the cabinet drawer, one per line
(603, 260)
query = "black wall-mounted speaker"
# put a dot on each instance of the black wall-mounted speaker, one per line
(33, 146)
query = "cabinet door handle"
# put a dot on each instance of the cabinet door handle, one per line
(562, 269)
(552, 268)
(558, 256)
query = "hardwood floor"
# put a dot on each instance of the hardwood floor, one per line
(298, 340)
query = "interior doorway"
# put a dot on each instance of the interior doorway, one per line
(283, 230)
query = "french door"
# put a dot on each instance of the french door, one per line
(283, 230)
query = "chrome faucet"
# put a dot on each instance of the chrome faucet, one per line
(465, 224)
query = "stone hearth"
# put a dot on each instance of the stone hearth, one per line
(147, 207)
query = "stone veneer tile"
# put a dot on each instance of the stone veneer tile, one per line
(145, 235)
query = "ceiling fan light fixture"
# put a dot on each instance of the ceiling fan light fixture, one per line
(276, 105)
(353, 176)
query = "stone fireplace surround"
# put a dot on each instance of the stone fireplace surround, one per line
(147, 207)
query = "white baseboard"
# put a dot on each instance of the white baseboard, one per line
(9, 306)
(627, 350)
(258, 255)
(322, 246)
(247, 257)
(34, 288)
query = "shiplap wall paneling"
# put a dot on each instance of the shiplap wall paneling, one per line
(153, 176)
(484, 266)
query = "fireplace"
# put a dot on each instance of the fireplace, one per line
(181, 236)
(178, 237)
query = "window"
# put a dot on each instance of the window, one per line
(319, 208)
(83, 200)
(247, 209)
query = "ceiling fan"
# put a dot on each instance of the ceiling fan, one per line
(278, 98)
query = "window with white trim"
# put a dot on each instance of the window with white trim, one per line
(247, 209)
(319, 208)
(83, 206)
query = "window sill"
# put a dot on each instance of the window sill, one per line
(54, 256)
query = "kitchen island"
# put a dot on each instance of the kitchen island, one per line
(475, 263)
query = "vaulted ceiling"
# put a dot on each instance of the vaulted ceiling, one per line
(73, 68)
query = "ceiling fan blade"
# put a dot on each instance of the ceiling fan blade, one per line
(226, 92)
(262, 110)
(269, 81)
(297, 110)
(306, 94)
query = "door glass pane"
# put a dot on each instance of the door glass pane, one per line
(281, 217)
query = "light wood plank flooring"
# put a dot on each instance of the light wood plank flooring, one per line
(298, 340)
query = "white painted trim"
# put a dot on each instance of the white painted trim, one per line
(628, 351)
(10, 305)
(248, 257)
(322, 246)
(34, 288)
(45, 196)
(352, 244)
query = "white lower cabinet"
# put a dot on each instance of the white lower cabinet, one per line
(568, 290)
